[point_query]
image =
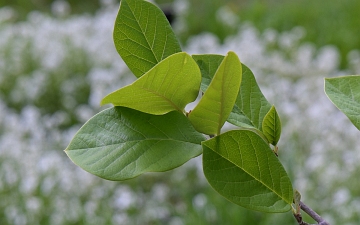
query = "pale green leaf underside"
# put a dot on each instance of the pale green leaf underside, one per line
(271, 126)
(169, 86)
(241, 167)
(121, 143)
(218, 100)
(143, 36)
(344, 92)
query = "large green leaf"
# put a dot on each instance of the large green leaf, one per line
(218, 100)
(240, 165)
(271, 126)
(168, 86)
(143, 36)
(344, 92)
(121, 143)
(251, 105)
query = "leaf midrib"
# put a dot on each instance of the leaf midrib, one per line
(140, 140)
(162, 96)
(249, 174)
(143, 33)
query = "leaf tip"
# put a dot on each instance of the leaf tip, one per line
(232, 54)
(106, 100)
(103, 102)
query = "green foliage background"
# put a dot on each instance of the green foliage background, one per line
(335, 23)
(338, 18)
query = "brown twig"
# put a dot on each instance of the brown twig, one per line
(310, 212)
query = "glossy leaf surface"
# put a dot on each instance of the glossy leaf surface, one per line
(169, 86)
(271, 126)
(240, 166)
(143, 36)
(218, 100)
(121, 143)
(344, 92)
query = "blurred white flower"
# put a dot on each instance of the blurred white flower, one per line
(227, 17)
(60, 8)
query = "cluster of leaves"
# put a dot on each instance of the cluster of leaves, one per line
(148, 129)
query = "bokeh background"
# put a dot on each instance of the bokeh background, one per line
(57, 61)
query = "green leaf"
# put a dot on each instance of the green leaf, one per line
(121, 143)
(237, 118)
(218, 100)
(344, 92)
(143, 36)
(168, 86)
(243, 114)
(208, 64)
(251, 105)
(271, 126)
(240, 166)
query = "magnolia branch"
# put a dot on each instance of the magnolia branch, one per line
(310, 212)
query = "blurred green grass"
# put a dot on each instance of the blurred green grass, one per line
(326, 23)
(330, 22)
(23, 7)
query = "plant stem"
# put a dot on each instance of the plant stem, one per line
(311, 213)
